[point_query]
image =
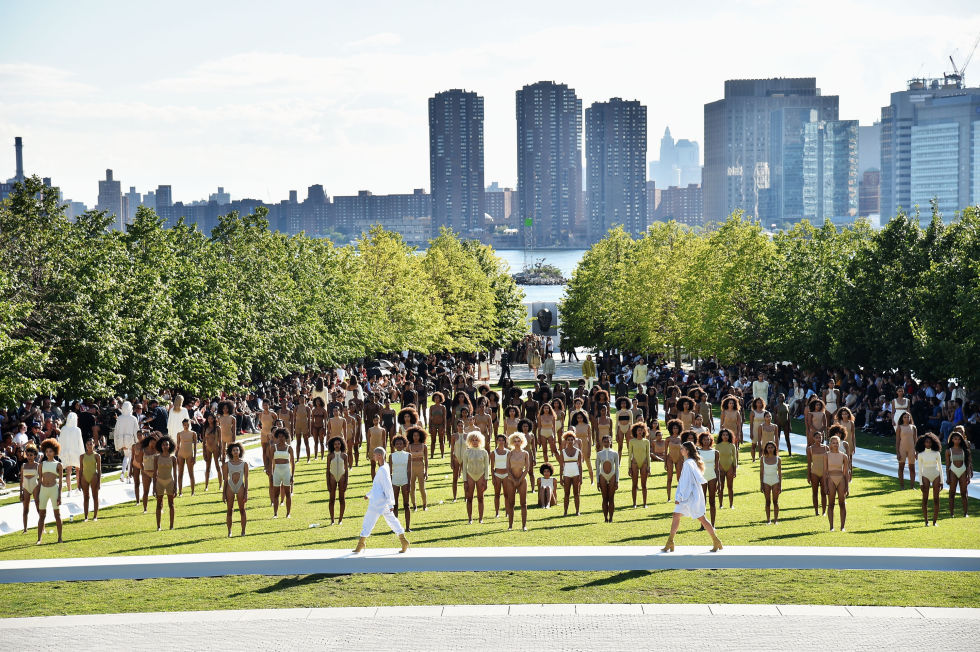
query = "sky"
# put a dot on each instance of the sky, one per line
(264, 98)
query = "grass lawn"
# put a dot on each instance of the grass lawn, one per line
(894, 588)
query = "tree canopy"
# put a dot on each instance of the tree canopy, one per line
(86, 311)
(902, 297)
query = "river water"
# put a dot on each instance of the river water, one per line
(564, 259)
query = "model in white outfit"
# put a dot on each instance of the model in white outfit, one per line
(175, 419)
(124, 436)
(72, 446)
(381, 499)
(689, 498)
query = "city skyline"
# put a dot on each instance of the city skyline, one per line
(338, 96)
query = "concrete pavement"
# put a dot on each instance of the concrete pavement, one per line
(529, 626)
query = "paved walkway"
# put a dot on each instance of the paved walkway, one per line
(529, 558)
(531, 626)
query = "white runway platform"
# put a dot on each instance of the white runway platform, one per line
(540, 558)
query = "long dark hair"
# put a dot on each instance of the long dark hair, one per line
(692, 453)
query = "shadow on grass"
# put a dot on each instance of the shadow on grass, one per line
(617, 578)
(287, 583)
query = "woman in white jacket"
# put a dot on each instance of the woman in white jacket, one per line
(381, 499)
(72, 447)
(124, 437)
(689, 498)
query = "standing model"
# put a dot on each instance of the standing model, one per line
(770, 480)
(235, 472)
(959, 469)
(48, 492)
(607, 463)
(930, 473)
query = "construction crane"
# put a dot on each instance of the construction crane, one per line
(956, 77)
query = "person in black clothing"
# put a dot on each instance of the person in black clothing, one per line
(504, 367)
(157, 416)
(86, 421)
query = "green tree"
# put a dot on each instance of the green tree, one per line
(510, 323)
(405, 312)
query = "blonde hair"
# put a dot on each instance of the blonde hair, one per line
(518, 437)
(475, 436)
(178, 402)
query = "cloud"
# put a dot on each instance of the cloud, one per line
(381, 40)
(353, 115)
(23, 79)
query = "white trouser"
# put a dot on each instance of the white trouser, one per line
(374, 512)
(588, 383)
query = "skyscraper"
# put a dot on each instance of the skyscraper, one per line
(930, 136)
(456, 161)
(110, 198)
(737, 139)
(783, 200)
(165, 205)
(133, 200)
(549, 162)
(616, 152)
(830, 170)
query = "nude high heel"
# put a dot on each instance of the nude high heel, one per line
(670, 545)
(405, 544)
(717, 543)
(361, 545)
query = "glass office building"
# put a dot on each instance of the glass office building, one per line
(935, 167)
(830, 170)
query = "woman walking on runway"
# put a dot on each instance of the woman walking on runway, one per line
(380, 499)
(689, 499)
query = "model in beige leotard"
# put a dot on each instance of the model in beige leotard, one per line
(186, 455)
(235, 489)
(816, 469)
(518, 464)
(638, 449)
(731, 418)
(437, 422)
(90, 478)
(338, 473)
(570, 469)
(905, 438)
(476, 465)
(674, 461)
(930, 464)
(727, 453)
(545, 431)
(318, 427)
(302, 425)
(498, 462)
(583, 434)
(837, 477)
(959, 469)
(149, 461)
(165, 478)
(212, 451)
(28, 479)
(228, 427)
(607, 464)
(771, 480)
(417, 448)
